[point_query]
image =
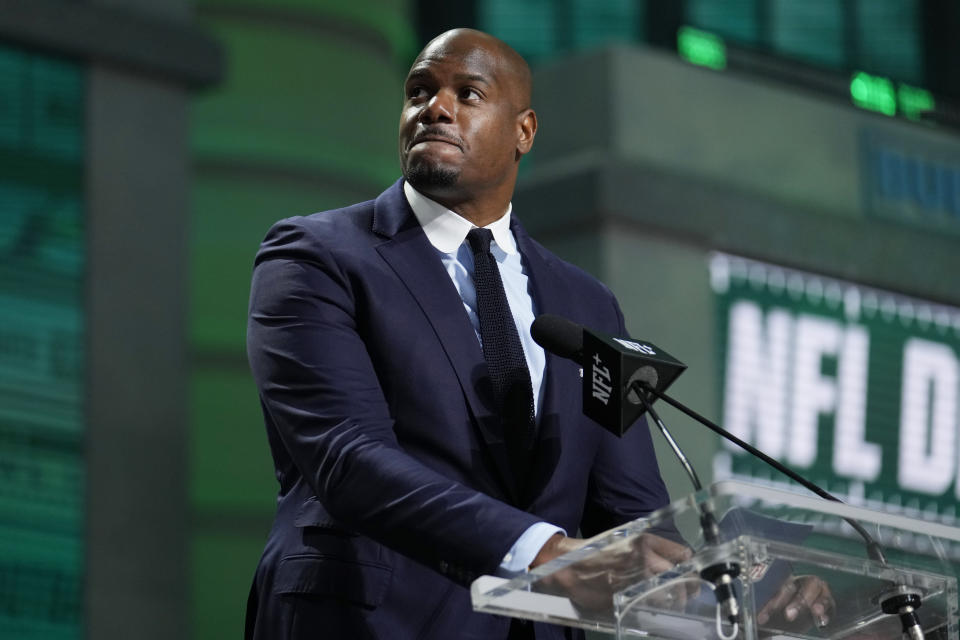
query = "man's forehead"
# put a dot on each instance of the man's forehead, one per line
(475, 61)
(474, 55)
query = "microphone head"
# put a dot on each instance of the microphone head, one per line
(558, 335)
(611, 366)
(611, 369)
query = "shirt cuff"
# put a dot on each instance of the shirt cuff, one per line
(527, 546)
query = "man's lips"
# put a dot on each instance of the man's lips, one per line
(432, 137)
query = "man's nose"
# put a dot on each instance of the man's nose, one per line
(440, 108)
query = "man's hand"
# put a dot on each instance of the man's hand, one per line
(801, 601)
(591, 583)
(556, 546)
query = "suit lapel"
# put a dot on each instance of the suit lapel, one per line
(415, 261)
(562, 384)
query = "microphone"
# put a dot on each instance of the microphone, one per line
(613, 369)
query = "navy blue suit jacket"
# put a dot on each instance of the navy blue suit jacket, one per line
(395, 487)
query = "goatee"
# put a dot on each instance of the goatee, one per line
(425, 175)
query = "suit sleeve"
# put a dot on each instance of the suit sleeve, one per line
(625, 482)
(321, 394)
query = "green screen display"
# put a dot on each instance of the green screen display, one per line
(41, 347)
(853, 387)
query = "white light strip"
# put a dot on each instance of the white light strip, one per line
(823, 290)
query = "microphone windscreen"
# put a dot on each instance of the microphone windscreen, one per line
(558, 336)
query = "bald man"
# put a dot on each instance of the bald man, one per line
(408, 463)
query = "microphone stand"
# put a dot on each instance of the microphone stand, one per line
(720, 574)
(901, 602)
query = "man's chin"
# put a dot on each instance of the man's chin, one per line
(426, 177)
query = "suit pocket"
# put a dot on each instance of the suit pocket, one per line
(362, 583)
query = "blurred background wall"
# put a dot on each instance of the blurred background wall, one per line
(771, 187)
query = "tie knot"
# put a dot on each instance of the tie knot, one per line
(479, 240)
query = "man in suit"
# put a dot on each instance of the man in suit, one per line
(407, 465)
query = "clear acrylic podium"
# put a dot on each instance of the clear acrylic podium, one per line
(618, 583)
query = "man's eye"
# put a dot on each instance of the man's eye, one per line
(469, 93)
(416, 92)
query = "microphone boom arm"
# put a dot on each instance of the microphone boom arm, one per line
(874, 549)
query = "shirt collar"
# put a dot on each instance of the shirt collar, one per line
(446, 230)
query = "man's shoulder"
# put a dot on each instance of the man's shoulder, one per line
(355, 218)
(321, 236)
(582, 297)
(574, 276)
(356, 223)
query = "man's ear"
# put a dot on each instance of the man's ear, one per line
(527, 128)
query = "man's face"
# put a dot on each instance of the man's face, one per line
(460, 124)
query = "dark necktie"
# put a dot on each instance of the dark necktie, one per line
(509, 375)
